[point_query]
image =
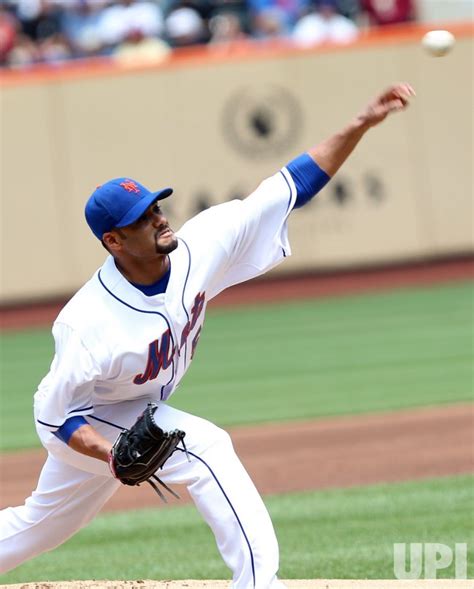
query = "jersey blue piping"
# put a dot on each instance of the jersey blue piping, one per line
(82, 409)
(48, 424)
(149, 313)
(289, 188)
(107, 422)
(289, 203)
(218, 483)
(182, 298)
(58, 426)
(230, 505)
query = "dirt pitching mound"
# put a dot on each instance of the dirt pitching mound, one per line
(292, 584)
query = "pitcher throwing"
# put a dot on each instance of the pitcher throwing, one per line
(126, 339)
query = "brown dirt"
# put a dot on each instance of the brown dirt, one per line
(325, 453)
(291, 584)
(287, 288)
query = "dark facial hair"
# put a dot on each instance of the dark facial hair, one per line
(165, 249)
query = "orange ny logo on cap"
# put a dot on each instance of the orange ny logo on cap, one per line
(130, 186)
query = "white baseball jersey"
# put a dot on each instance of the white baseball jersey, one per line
(113, 343)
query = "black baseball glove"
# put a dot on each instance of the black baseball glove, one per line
(140, 451)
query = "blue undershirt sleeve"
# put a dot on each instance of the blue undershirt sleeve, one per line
(65, 432)
(308, 177)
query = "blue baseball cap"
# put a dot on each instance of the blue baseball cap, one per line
(118, 203)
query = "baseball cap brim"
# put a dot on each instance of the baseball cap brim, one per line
(142, 205)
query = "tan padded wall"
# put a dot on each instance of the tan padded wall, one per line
(34, 260)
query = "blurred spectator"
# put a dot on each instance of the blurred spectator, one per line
(388, 12)
(138, 49)
(324, 24)
(80, 24)
(24, 53)
(349, 8)
(270, 17)
(184, 26)
(39, 19)
(230, 8)
(126, 17)
(269, 23)
(205, 8)
(226, 28)
(54, 49)
(8, 32)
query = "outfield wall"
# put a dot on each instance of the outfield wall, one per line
(212, 125)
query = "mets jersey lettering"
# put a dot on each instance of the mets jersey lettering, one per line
(195, 341)
(160, 352)
(159, 357)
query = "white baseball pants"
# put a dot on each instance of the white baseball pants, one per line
(72, 489)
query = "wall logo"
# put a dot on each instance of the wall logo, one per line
(262, 121)
(436, 557)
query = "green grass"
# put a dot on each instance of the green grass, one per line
(298, 360)
(344, 533)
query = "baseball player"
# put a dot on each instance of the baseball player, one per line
(130, 333)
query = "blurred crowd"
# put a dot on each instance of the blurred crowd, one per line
(53, 31)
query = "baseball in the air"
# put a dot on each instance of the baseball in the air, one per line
(438, 43)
